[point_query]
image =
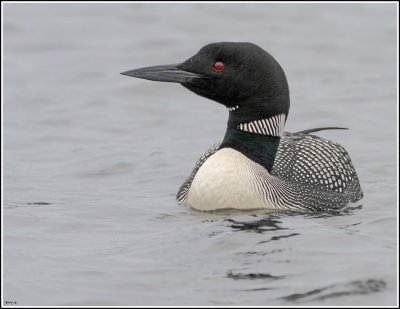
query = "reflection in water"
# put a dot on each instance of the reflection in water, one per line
(39, 203)
(250, 253)
(258, 289)
(261, 226)
(278, 237)
(270, 216)
(337, 290)
(347, 211)
(12, 204)
(258, 226)
(238, 276)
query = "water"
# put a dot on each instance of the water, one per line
(93, 159)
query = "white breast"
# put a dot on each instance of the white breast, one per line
(228, 180)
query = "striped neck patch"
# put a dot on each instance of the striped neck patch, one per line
(270, 126)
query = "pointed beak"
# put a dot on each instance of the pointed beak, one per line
(164, 73)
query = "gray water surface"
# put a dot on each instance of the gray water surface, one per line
(93, 159)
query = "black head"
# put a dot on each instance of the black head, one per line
(233, 74)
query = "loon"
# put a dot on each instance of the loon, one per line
(257, 165)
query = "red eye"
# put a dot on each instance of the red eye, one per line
(218, 66)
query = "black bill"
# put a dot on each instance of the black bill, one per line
(163, 73)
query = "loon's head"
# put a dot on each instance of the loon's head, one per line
(241, 76)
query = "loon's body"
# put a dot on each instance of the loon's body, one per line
(308, 173)
(257, 165)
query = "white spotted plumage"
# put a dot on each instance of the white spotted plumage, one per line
(309, 172)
